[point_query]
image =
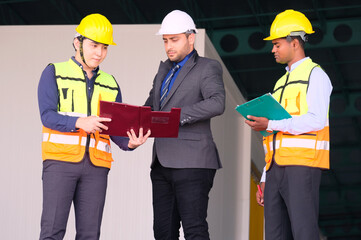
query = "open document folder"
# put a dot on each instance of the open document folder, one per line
(125, 117)
(264, 106)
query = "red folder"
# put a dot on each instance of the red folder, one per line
(125, 117)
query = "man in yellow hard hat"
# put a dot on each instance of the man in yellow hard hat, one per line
(76, 155)
(297, 153)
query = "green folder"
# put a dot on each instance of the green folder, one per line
(264, 106)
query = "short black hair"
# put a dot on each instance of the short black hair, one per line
(291, 38)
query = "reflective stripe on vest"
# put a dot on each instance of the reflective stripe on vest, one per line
(64, 139)
(301, 143)
(73, 101)
(309, 149)
(73, 114)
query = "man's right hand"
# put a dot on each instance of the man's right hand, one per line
(259, 196)
(92, 124)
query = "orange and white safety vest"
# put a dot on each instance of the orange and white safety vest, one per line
(73, 101)
(308, 149)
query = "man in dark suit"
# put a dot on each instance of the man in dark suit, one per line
(183, 168)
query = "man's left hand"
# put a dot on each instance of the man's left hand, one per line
(257, 123)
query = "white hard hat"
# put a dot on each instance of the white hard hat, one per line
(177, 22)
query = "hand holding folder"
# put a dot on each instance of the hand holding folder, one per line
(264, 106)
(125, 117)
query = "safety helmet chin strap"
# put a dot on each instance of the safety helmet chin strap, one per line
(81, 39)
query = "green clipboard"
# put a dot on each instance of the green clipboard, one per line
(264, 106)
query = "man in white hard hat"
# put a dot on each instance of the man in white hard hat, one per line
(183, 168)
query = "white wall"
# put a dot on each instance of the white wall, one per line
(26, 50)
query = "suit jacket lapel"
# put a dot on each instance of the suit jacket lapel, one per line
(181, 76)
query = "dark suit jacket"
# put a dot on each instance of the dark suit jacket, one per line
(199, 91)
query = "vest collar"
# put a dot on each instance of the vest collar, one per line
(296, 64)
(95, 71)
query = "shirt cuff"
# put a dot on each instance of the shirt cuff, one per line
(269, 126)
(263, 178)
(71, 124)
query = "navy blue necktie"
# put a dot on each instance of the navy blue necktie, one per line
(165, 89)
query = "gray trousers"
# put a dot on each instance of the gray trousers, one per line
(82, 184)
(291, 203)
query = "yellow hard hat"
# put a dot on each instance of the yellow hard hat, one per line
(287, 22)
(97, 28)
